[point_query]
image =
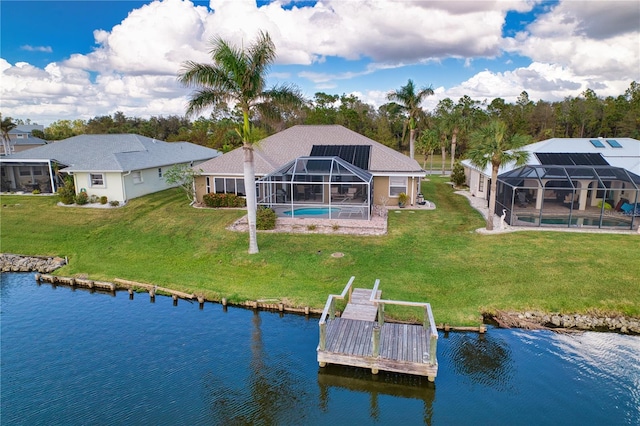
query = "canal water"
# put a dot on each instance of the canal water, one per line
(74, 357)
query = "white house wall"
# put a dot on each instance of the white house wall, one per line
(112, 187)
(150, 183)
(474, 185)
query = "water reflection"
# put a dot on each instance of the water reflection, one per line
(382, 384)
(267, 395)
(484, 359)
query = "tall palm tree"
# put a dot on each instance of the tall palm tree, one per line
(6, 125)
(238, 76)
(492, 145)
(410, 101)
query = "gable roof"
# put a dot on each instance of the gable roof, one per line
(116, 153)
(298, 141)
(26, 129)
(31, 140)
(627, 156)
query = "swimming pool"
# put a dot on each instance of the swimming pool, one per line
(313, 211)
(576, 221)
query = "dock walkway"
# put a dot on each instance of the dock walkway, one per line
(361, 338)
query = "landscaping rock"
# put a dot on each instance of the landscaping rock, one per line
(565, 322)
(16, 263)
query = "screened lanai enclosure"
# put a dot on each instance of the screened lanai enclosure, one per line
(569, 196)
(318, 187)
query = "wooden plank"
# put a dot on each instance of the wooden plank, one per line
(404, 348)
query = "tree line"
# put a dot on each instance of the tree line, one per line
(450, 123)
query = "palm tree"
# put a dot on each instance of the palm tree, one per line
(410, 101)
(238, 76)
(6, 125)
(492, 145)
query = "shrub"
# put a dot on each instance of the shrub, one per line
(114, 203)
(223, 200)
(103, 199)
(67, 192)
(94, 199)
(265, 218)
(81, 198)
(335, 226)
(457, 175)
(35, 191)
(311, 227)
(403, 198)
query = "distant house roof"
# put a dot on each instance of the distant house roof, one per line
(617, 152)
(116, 153)
(31, 140)
(298, 141)
(26, 128)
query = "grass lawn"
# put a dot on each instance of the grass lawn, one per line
(432, 256)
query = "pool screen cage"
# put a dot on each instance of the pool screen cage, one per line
(569, 196)
(320, 187)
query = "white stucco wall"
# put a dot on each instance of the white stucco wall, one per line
(474, 184)
(112, 187)
(151, 182)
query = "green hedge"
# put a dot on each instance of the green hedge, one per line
(265, 218)
(223, 200)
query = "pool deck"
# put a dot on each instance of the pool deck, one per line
(481, 206)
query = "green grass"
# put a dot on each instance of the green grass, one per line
(427, 255)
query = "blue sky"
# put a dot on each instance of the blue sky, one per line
(80, 59)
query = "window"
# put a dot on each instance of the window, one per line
(481, 183)
(208, 186)
(614, 143)
(229, 186)
(137, 177)
(596, 143)
(218, 185)
(25, 171)
(97, 179)
(397, 184)
(159, 172)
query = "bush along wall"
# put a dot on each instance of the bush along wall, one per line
(223, 200)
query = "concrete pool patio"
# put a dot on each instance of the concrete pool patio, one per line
(376, 226)
(378, 223)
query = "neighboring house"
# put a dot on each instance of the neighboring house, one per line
(317, 166)
(119, 166)
(21, 138)
(577, 177)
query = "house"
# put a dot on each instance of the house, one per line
(316, 170)
(21, 138)
(566, 181)
(118, 166)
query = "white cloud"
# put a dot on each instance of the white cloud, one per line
(573, 46)
(28, 48)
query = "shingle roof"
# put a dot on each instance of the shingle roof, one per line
(26, 128)
(32, 140)
(297, 141)
(118, 153)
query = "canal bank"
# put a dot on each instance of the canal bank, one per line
(527, 320)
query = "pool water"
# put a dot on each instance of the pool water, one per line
(313, 211)
(575, 221)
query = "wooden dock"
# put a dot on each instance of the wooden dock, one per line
(361, 338)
